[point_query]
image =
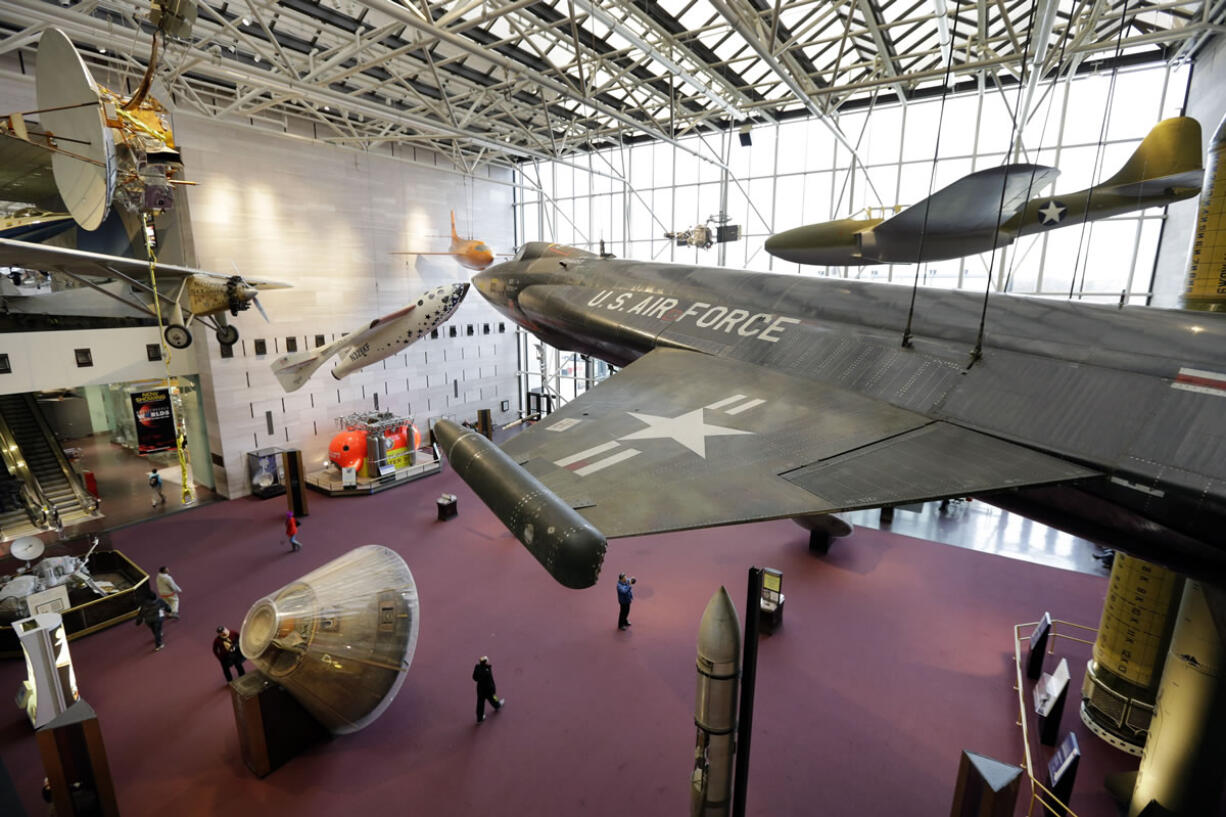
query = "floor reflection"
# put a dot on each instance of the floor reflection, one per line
(983, 527)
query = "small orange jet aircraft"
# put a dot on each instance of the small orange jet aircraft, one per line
(470, 253)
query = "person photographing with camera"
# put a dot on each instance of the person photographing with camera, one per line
(625, 595)
(226, 649)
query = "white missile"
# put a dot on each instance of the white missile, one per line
(715, 707)
(382, 337)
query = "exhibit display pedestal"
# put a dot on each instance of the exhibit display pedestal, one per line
(272, 726)
(1050, 694)
(986, 787)
(332, 482)
(74, 759)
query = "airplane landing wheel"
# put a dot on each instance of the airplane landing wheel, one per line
(177, 336)
(227, 335)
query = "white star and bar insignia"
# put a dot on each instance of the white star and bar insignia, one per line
(1052, 213)
(689, 429)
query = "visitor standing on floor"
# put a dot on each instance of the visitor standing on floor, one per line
(291, 530)
(169, 590)
(625, 595)
(153, 613)
(155, 485)
(225, 647)
(483, 674)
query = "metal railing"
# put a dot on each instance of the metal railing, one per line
(1039, 793)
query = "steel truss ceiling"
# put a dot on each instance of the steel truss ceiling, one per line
(504, 80)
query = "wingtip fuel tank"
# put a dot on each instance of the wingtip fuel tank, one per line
(568, 546)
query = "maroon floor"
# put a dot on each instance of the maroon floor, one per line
(895, 654)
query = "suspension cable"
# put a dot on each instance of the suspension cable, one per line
(936, 152)
(1098, 158)
(187, 496)
(1019, 146)
(977, 352)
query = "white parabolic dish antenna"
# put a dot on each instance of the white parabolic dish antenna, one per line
(27, 548)
(84, 165)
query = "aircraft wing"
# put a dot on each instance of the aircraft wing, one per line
(974, 204)
(681, 439)
(79, 263)
(25, 172)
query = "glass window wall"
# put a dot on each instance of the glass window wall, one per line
(797, 172)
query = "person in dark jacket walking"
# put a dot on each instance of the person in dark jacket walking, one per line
(153, 612)
(625, 595)
(483, 674)
(225, 648)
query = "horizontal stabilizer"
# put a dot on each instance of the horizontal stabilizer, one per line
(294, 370)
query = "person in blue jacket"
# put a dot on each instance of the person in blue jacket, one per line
(625, 595)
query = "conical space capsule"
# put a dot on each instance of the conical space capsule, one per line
(341, 638)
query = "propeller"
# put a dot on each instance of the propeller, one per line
(259, 306)
(235, 302)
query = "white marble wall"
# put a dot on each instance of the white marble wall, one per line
(47, 360)
(327, 220)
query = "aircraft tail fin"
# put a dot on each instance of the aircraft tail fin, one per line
(1170, 156)
(294, 370)
(454, 235)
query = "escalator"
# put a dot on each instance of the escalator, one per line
(14, 508)
(52, 492)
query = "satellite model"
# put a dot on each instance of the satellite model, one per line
(53, 571)
(703, 236)
(102, 148)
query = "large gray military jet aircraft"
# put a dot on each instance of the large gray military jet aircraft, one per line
(752, 396)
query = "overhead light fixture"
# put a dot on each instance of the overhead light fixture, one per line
(246, 22)
(746, 139)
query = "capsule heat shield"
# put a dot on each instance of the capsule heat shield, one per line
(341, 638)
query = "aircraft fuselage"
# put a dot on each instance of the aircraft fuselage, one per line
(388, 335)
(1137, 394)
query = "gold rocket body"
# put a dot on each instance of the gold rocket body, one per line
(341, 638)
(1206, 280)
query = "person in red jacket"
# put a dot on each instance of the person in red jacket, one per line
(291, 530)
(225, 647)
